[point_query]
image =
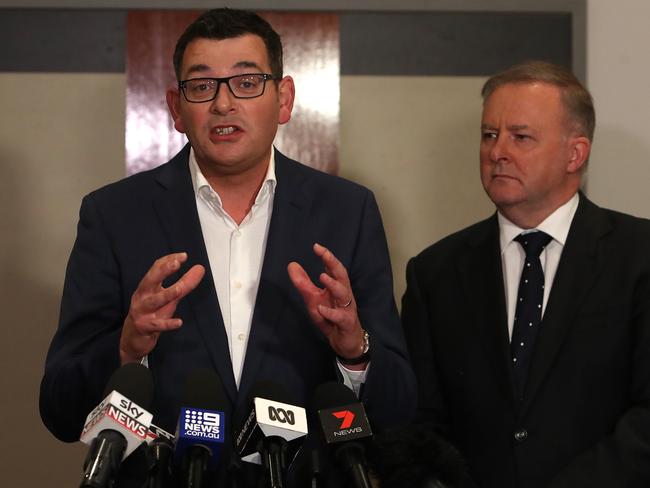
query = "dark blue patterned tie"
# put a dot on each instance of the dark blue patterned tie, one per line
(528, 313)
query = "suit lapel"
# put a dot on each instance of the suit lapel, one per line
(579, 265)
(290, 208)
(176, 209)
(482, 278)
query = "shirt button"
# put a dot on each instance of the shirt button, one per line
(241, 337)
(237, 284)
(521, 435)
(237, 233)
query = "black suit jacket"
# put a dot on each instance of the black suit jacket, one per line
(124, 227)
(584, 420)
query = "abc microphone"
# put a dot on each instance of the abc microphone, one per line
(269, 431)
(345, 426)
(200, 431)
(118, 425)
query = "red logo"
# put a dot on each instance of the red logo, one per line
(347, 417)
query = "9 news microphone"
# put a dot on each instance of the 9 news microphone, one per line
(200, 432)
(270, 430)
(345, 426)
(118, 425)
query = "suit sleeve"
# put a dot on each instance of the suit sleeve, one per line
(623, 457)
(417, 330)
(431, 412)
(389, 391)
(85, 348)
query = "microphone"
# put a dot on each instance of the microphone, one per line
(345, 427)
(201, 427)
(159, 454)
(118, 425)
(415, 456)
(270, 430)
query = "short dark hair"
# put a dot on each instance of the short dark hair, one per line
(576, 99)
(225, 23)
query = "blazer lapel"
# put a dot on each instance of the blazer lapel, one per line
(482, 278)
(290, 208)
(176, 208)
(579, 266)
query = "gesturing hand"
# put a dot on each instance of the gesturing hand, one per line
(332, 308)
(153, 306)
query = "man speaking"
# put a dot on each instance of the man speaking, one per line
(230, 257)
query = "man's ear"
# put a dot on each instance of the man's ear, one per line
(286, 96)
(173, 103)
(579, 148)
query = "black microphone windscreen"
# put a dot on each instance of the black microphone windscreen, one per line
(204, 390)
(416, 456)
(332, 394)
(134, 381)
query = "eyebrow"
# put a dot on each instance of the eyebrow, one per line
(510, 127)
(202, 68)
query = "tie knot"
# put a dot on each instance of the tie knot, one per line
(533, 242)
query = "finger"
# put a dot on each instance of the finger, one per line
(152, 301)
(344, 320)
(333, 266)
(161, 269)
(162, 325)
(189, 281)
(340, 293)
(301, 280)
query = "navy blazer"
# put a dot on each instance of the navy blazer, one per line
(124, 227)
(584, 419)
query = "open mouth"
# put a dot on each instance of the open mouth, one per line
(224, 131)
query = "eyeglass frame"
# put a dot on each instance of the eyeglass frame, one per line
(226, 79)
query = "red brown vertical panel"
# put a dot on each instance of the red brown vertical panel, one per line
(311, 56)
(150, 135)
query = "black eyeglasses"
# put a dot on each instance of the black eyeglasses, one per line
(249, 85)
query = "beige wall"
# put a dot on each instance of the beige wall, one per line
(414, 142)
(618, 72)
(60, 137)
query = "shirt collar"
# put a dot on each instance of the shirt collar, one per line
(556, 225)
(201, 185)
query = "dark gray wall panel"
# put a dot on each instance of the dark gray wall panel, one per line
(62, 40)
(450, 43)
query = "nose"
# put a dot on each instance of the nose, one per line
(223, 101)
(499, 148)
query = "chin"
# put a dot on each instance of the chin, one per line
(503, 198)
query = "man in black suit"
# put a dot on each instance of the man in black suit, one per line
(537, 364)
(195, 264)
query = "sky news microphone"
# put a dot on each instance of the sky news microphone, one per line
(271, 431)
(416, 456)
(345, 427)
(160, 452)
(200, 432)
(118, 425)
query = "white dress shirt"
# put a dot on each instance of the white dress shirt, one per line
(236, 255)
(513, 255)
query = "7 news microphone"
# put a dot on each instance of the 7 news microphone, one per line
(345, 427)
(118, 425)
(271, 431)
(200, 432)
